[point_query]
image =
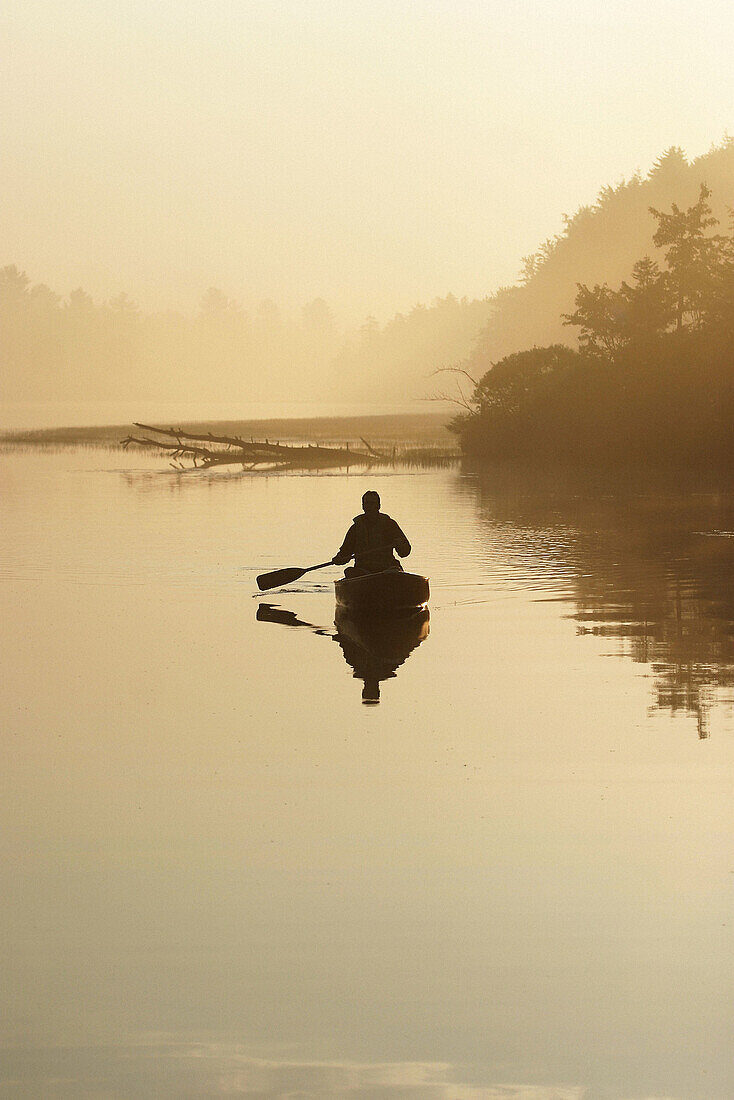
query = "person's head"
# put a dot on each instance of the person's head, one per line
(371, 692)
(371, 502)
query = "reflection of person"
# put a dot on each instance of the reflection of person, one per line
(371, 540)
(376, 648)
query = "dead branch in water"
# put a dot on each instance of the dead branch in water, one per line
(209, 450)
(371, 449)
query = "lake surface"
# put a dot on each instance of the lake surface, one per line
(223, 875)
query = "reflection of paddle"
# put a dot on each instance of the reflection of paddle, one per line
(268, 613)
(285, 576)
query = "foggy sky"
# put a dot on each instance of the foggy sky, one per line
(374, 153)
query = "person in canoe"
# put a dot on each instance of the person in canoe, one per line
(371, 540)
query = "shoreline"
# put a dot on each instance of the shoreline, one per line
(404, 429)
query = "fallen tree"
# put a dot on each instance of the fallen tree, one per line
(209, 450)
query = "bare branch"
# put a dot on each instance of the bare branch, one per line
(454, 370)
(462, 400)
(370, 448)
(452, 400)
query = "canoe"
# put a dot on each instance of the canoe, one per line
(389, 593)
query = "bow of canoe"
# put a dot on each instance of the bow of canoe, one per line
(390, 592)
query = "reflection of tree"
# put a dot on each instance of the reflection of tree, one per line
(652, 567)
(668, 623)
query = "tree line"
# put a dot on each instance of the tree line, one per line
(599, 243)
(55, 349)
(653, 376)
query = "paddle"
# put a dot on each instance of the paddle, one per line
(285, 576)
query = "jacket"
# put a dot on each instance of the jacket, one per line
(371, 541)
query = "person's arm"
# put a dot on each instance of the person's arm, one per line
(346, 550)
(400, 543)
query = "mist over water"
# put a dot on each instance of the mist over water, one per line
(30, 416)
(256, 844)
(224, 875)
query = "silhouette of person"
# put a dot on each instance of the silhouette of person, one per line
(371, 540)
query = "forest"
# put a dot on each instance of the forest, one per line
(70, 348)
(653, 375)
(63, 349)
(57, 348)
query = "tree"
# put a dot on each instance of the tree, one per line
(671, 163)
(215, 303)
(647, 306)
(369, 331)
(80, 303)
(42, 299)
(14, 286)
(123, 305)
(599, 314)
(317, 318)
(691, 256)
(719, 311)
(506, 387)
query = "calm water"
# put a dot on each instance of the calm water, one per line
(223, 875)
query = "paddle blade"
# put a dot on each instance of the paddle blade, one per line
(278, 577)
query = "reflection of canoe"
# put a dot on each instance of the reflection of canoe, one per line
(382, 593)
(375, 647)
